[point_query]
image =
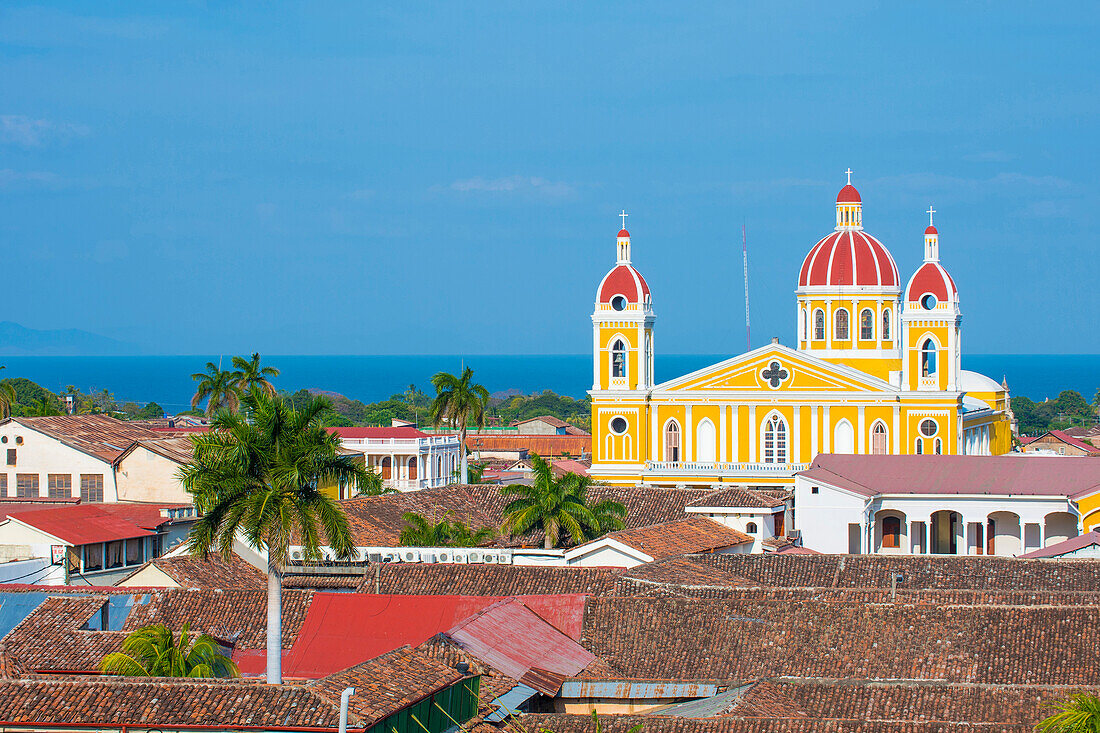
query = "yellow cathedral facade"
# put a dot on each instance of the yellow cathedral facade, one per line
(876, 369)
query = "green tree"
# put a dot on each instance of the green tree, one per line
(258, 478)
(558, 505)
(153, 651)
(371, 484)
(220, 389)
(151, 411)
(1079, 713)
(7, 398)
(422, 532)
(250, 375)
(43, 407)
(459, 401)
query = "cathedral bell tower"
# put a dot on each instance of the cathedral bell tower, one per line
(622, 325)
(932, 323)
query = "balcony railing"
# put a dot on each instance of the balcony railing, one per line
(706, 468)
(410, 444)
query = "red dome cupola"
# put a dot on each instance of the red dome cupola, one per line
(624, 284)
(931, 283)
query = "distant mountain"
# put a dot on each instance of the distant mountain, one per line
(17, 340)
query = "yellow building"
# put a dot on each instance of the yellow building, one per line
(875, 370)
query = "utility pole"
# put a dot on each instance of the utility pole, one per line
(745, 262)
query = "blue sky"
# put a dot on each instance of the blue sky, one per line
(443, 178)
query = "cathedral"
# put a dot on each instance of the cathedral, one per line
(875, 369)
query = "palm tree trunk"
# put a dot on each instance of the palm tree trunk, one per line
(464, 476)
(274, 622)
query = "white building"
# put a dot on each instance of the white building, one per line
(945, 505)
(407, 458)
(94, 458)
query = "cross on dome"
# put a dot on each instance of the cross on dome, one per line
(930, 212)
(623, 214)
(849, 172)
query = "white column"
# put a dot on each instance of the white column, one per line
(826, 430)
(596, 356)
(641, 381)
(753, 458)
(796, 436)
(689, 447)
(722, 419)
(828, 323)
(656, 447)
(735, 422)
(814, 417)
(861, 441)
(908, 526)
(897, 429)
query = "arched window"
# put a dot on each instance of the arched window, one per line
(939, 447)
(672, 442)
(618, 359)
(866, 324)
(750, 527)
(387, 469)
(928, 358)
(891, 532)
(705, 441)
(412, 468)
(819, 325)
(775, 440)
(841, 330)
(920, 446)
(886, 325)
(878, 439)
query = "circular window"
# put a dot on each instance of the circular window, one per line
(618, 302)
(19, 440)
(618, 425)
(928, 302)
(4, 439)
(928, 428)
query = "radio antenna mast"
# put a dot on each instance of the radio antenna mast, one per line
(745, 261)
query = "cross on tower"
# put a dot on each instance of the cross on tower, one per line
(775, 374)
(849, 172)
(930, 212)
(623, 214)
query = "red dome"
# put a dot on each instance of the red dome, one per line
(931, 278)
(849, 257)
(931, 230)
(848, 195)
(624, 280)
(624, 233)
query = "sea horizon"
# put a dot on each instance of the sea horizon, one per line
(166, 379)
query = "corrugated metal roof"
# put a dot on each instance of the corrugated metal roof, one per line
(509, 703)
(514, 640)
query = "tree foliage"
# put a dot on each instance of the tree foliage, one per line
(559, 505)
(154, 651)
(422, 532)
(1078, 713)
(219, 388)
(1067, 410)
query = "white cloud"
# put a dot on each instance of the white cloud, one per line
(23, 130)
(29, 179)
(514, 184)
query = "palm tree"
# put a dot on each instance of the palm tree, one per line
(221, 387)
(153, 651)
(250, 375)
(459, 401)
(43, 407)
(1079, 713)
(421, 532)
(557, 505)
(8, 397)
(258, 479)
(371, 485)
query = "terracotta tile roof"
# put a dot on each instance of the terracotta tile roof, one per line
(209, 572)
(322, 582)
(485, 580)
(681, 537)
(104, 437)
(982, 475)
(179, 449)
(659, 638)
(388, 683)
(376, 521)
(741, 496)
(233, 615)
(544, 445)
(50, 637)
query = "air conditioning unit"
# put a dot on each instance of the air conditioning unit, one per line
(296, 555)
(475, 556)
(489, 558)
(504, 558)
(427, 557)
(374, 557)
(444, 557)
(410, 555)
(391, 557)
(459, 557)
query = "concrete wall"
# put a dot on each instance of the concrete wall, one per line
(823, 518)
(146, 476)
(40, 454)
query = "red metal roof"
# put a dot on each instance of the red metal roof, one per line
(623, 280)
(511, 638)
(382, 432)
(624, 234)
(849, 257)
(84, 524)
(931, 230)
(1071, 545)
(1065, 438)
(848, 195)
(344, 629)
(983, 475)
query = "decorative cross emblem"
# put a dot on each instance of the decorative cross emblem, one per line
(849, 172)
(623, 214)
(775, 374)
(930, 212)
